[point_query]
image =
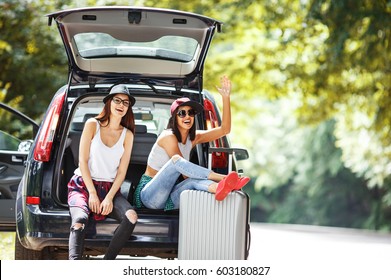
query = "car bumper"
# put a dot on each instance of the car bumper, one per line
(37, 229)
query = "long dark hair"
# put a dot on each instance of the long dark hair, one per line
(172, 124)
(126, 121)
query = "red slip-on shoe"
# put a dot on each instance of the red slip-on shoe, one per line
(226, 185)
(242, 181)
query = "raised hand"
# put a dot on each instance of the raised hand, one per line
(225, 88)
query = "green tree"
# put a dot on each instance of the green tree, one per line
(300, 177)
(354, 77)
(32, 61)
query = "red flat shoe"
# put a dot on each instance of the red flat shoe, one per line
(226, 185)
(242, 181)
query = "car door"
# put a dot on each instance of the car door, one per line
(17, 132)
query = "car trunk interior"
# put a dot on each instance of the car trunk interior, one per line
(151, 117)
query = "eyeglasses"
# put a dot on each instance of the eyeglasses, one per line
(182, 113)
(118, 100)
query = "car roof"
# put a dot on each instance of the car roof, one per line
(105, 44)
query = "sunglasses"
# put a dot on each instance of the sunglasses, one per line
(118, 100)
(182, 113)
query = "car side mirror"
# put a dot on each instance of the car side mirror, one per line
(240, 154)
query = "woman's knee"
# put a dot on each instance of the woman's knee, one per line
(176, 157)
(78, 226)
(131, 215)
(79, 217)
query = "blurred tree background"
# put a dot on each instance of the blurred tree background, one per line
(311, 88)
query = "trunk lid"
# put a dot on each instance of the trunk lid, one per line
(135, 44)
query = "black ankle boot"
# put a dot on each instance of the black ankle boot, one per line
(120, 237)
(76, 243)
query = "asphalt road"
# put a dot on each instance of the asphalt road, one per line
(312, 252)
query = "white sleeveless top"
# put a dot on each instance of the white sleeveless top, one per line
(103, 161)
(158, 156)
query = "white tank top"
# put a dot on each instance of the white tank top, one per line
(103, 161)
(158, 156)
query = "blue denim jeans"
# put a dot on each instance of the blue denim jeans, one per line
(164, 185)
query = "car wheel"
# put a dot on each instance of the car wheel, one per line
(22, 253)
(47, 253)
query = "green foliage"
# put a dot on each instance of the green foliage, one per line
(355, 79)
(301, 176)
(32, 63)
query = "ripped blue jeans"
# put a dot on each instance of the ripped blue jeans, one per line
(164, 185)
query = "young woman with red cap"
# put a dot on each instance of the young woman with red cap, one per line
(159, 187)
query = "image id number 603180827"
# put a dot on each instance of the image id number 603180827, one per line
(243, 270)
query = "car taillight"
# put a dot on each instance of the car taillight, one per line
(219, 160)
(33, 200)
(45, 138)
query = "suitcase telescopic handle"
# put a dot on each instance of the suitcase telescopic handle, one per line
(229, 151)
(239, 154)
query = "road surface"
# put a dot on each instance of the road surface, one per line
(303, 252)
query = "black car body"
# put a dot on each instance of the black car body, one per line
(159, 54)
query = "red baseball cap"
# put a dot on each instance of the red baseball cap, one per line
(184, 101)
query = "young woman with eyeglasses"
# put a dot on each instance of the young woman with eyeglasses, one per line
(93, 191)
(159, 187)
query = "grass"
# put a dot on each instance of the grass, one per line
(7, 245)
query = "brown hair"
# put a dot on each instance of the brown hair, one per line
(172, 124)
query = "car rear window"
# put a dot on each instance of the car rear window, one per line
(98, 45)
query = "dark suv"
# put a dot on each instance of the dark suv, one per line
(159, 54)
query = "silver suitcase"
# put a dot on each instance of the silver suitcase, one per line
(214, 230)
(211, 229)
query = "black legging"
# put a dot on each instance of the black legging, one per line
(120, 237)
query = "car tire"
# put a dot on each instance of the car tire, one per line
(22, 253)
(47, 253)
